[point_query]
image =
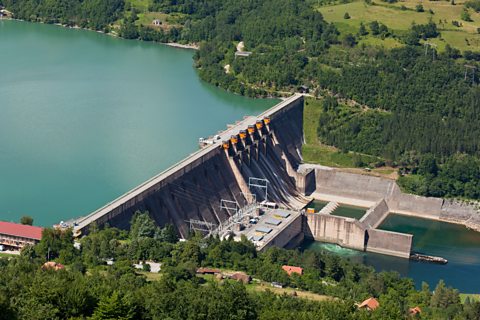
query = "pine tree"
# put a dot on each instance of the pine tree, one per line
(113, 307)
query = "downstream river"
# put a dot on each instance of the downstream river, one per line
(85, 117)
(454, 242)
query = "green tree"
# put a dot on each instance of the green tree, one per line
(443, 297)
(465, 15)
(362, 31)
(169, 234)
(27, 220)
(374, 27)
(143, 226)
(419, 8)
(346, 16)
(349, 40)
(113, 307)
(428, 165)
(55, 243)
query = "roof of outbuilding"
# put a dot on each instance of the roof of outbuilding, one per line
(371, 303)
(20, 230)
(293, 269)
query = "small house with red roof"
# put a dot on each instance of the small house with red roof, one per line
(208, 271)
(16, 236)
(370, 304)
(292, 269)
(414, 311)
(241, 277)
(52, 265)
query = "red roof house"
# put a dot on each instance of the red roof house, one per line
(415, 310)
(21, 230)
(17, 235)
(241, 277)
(208, 271)
(369, 304)
(292, 269)
(52, 265)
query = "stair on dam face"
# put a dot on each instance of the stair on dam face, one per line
(329, 208)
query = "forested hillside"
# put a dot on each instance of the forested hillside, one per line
(88, 288)
(93, 14)
(416, 102)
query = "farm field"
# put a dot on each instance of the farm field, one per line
(401, 15)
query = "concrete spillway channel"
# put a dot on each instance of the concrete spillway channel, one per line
(194, 187)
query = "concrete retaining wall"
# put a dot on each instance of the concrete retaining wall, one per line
(356, 186)
(306, 181)
(426, 207)
(290, 232)
(365, 190)
(375, 215)
(387, 242)
(343, 231)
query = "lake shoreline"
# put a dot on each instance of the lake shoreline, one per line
(188, 46)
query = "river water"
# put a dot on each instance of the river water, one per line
(454, 242)
(85, 117)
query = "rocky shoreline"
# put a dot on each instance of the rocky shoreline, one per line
(455, 211)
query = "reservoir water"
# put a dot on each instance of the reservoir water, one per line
(84, 117)
(454, 242)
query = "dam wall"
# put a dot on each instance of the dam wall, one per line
(346, 232)
(409, 204)
(390, 243)
(194, 187)
(290, 231)
(365, 191)
(375, 215)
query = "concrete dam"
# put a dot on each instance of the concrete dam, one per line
(254, 171)
(266, 148)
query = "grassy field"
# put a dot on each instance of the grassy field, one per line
(471, 296)
(465, 37)
(141, 5)
(263, 286)
(149, 275)
(6, 255)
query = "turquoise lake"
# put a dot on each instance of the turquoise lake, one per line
(85, 117)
